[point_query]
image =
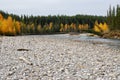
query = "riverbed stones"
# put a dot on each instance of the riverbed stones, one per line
(57, 59)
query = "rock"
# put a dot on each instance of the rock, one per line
(10, 73)
(98, 78)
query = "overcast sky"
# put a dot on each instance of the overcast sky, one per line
(55, 7)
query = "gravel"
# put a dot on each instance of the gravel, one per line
(44, 58)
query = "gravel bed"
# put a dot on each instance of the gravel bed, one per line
(44, 58)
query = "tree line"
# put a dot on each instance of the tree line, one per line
(113, 17)
(52, 24)
(61, 23)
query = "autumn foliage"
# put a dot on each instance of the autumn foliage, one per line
(9, 26)
(15, 25)
(12, 27)
(101, 27)
(73, 27)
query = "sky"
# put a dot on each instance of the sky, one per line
(57, 7)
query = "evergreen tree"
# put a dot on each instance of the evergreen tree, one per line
(113, 18)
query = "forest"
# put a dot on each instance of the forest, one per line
(11, 24)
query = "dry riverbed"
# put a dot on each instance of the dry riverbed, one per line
(44, 58)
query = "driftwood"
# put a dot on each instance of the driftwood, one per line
(22, 49)
(25, 60)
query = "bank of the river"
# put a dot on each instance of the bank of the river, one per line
(112, 35)
(48, 57)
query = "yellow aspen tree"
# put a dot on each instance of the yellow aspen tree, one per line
(39, 28)
(96, 27)
(79, 27)
(66, 27)
(4, 27)
(71, 27)
(14, 31)
(1, 20)
(50, 26)
(28, 28)
(105, 28)
(61, 27)
(82, 27)
(86, 26)
(1, 26)
(74, 27)
(17, 26)
(101, 26)
(46, 27)
(32, 27)
(9, 24)
(1, 17)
